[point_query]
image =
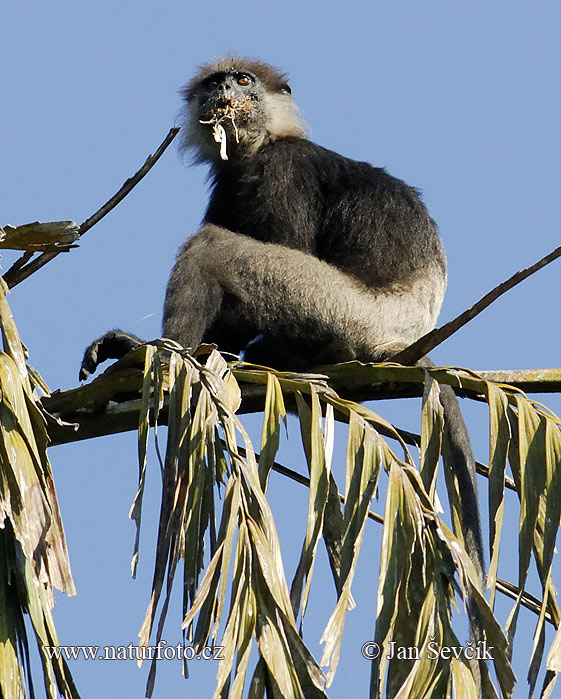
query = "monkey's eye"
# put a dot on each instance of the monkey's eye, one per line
(210, 82)
(244, 80)
(286, 88)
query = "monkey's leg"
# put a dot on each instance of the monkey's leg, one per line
(195, 300)
(227, 288)
(113, 345)
(198, 305)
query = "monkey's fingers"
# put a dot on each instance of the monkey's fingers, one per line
(113, 345)
(89, 362)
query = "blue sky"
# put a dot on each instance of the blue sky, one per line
(459, 99)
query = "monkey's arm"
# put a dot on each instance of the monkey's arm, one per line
(113, 345)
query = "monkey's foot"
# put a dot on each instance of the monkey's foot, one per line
(113, 345)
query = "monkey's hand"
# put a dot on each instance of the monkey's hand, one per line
(113, 345)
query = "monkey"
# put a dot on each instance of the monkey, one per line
(304, 254)
(304, 257)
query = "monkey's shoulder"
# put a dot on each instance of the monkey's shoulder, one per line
(294, 171)
(351, 195)
(300, 155)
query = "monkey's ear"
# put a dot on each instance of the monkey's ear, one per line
(285, 87)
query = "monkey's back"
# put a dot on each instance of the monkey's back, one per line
(353, 215)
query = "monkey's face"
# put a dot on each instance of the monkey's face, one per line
(228, 91)
(233, 110)
(230, 110)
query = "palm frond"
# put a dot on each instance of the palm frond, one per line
(33, 555)
(243, 597)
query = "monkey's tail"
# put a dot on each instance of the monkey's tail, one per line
(462, 463)
(460, 470)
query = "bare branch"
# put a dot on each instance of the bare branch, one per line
(527, 380)
(20, 262)
(151, 160)
(429, 341)
(20, 270)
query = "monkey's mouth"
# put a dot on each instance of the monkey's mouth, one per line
(225, 113)
(223, 103)
(226, 108)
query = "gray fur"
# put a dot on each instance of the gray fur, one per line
(274, 288)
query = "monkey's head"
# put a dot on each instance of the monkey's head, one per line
(235, 106)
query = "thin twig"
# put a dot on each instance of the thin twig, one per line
(429, 341)
(304, 480)
(508, 589)
(534, 604)
(151, 160)
(20, 271)
(20, 262)
(483, 470)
